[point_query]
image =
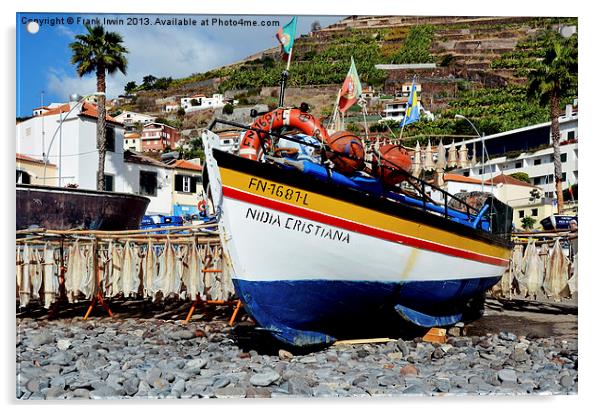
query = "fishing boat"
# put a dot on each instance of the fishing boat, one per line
(320, 251)
(69, 208)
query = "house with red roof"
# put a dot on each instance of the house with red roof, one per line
(65, 135)
(187, 186)
(527, 200)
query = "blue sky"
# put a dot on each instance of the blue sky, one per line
(43, 59)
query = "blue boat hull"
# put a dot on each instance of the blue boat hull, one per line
(310, 312)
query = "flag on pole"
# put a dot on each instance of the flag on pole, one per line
(351, 90)
(413, 108)
(286, 35)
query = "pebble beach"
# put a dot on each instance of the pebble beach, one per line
(158, 357)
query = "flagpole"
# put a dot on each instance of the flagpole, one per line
(288, 62)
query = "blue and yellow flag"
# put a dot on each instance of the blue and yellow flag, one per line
(286, 35)
(413, 109)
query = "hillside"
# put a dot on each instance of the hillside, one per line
(481, 68)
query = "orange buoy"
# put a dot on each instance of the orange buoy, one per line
(392, 159)
(348, 155)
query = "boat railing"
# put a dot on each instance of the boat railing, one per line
(425, 202)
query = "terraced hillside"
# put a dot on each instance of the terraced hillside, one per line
(470, 53)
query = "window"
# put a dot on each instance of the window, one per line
(521, 214)
(570, 134)
(563, 157)
(185, 183)
(148, 183)
(564, 177)
(534, 212)
(537, 161)
(549, 194)
(109, 183)
(480, 171)
(23, 177)
(110, 138)
(518, 164)
(537, 180)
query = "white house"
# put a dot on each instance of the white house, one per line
(43, 109)
(71, 146)
(171, 108)
(131, 118)
(132, 141)
(202, 102)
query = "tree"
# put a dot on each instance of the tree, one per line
(129, 87)
(100, 52)
(521, 176)
(527, 222)
(228, 109)
(148, 81)
(555, 78)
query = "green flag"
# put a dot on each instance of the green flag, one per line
(286, 35)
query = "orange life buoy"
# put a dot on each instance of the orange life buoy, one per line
(276, 120)
(304, 122)
(201, 205)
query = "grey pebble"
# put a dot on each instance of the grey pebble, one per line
(264, 379)
(230, 393)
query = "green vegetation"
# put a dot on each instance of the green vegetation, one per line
(528, 222)
(491, 111)
(328, 66)
(521, 176)
(416, 46)
(228, 109)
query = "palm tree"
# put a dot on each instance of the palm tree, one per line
(100, 52)
(554, 79)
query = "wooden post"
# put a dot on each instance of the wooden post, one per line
(238, 304)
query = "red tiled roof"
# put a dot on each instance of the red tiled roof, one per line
(462, 178)
(88, 109)
(510, 180)
(21, 157)
(133, 157)
(184, 164)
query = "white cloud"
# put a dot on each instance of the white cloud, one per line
(168, 51)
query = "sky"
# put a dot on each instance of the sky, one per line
(43, 58)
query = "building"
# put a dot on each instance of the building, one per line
(395, 110)
(132, 141)
(130, 119)
(33, 171)
(143, 175)
(187, 187)
(171, 108)
(202, 102)
(43, 109)
(69, 130)
(75, 140)
(529, 150)
(156, 137)
(525, 199)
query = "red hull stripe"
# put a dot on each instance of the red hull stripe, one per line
(360, 228)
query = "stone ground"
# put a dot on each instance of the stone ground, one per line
(518, 347)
